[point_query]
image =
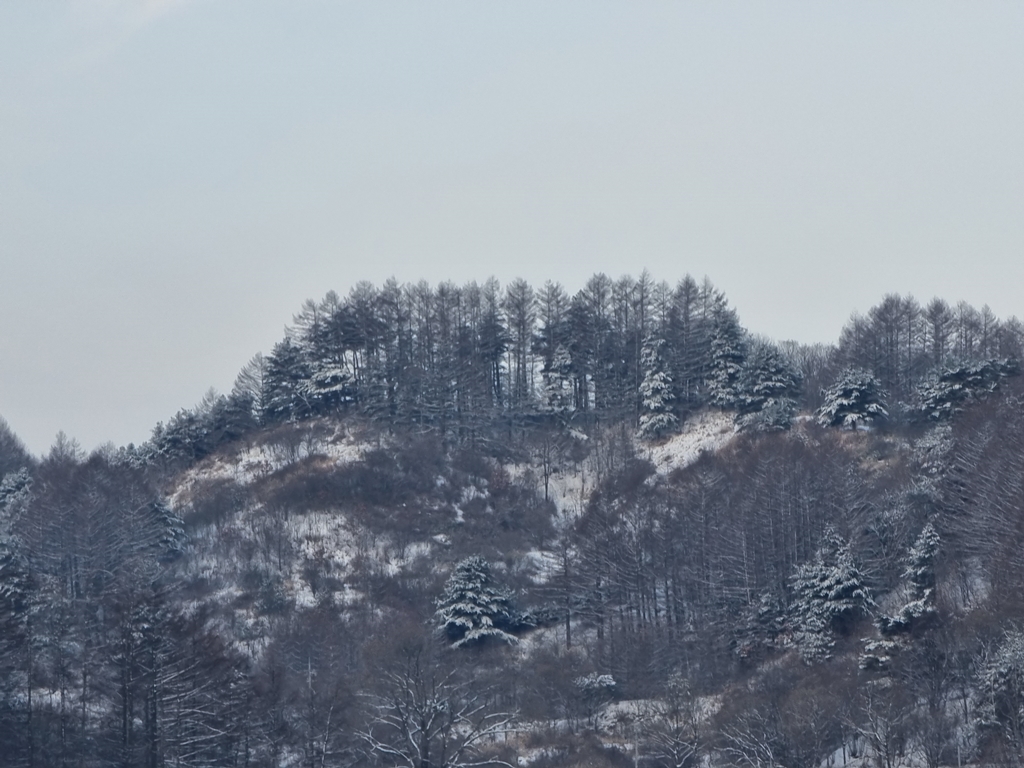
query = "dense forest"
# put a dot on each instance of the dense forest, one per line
(466, 526)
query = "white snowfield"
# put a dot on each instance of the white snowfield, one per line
(252, 462)
(707, 431)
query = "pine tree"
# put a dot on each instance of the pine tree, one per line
(728, 353)
(855, 398)
(287, 383)
(686, 331)
(766, 390)
(183, 438)
(830, 592)
(520, 306)
(553, 307)
(15, 493)
(946, 392)
(1001, 710)
(656, 396)
(919, 576)
(472, 610)
(557, 396)
(13, 454)
(330, 385)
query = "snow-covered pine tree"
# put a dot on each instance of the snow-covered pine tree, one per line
(185, 437)
(945, 392)
(728, 353)
(15, 597)
(472, 610)
(169, 530)
(919, 576)
(321, 332)
(15, 492)
(829, 593)
(855, 398)
(331, 385)
(557, 396)
(766, 390)
(920, 571)
(688, 335)
(814, 638)
(595, 690)
(19, 602)
(656, 397)
(1001, 710)
(13, 454)
(287, 383)
(14, 488)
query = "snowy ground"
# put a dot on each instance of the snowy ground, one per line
(542, 564)
(706, 431)
(253, 462)
(569, 490)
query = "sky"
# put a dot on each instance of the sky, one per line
(178, 176)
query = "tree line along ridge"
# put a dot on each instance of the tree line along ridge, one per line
(460, 359)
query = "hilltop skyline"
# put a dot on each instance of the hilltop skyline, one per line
(177, 177)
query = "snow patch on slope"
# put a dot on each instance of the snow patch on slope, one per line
(707, 431)
(257, 461)
(569, 491)
(250, 463)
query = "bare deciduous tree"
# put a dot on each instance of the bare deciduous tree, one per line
(426, 717)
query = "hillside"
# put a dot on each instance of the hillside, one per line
(539, 567)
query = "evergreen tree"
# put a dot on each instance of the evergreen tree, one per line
(938, 321)
(919, 577)
(728, 353)
(920, 571)
(15, 496)
(330, 385)
(855, 398)
(557, 396)
(1001, 714)
(656, 396)
(829, 593)
(553, 308)
(583, 330)
(15, 493)
(687, 337)
(185, 437)
(381, 382)
(472, 610)
(767, 390)
(13, 455)
(287, 383)
(492, 343)
(947, 392)
(520, 306)
(606, 363)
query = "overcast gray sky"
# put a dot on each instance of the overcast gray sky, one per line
(176, 177)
